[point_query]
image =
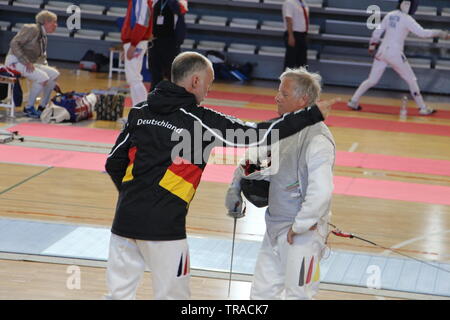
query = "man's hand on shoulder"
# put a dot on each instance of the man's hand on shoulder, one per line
(325, 106)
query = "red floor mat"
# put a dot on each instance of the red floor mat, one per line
(371, 188)
(369, 108)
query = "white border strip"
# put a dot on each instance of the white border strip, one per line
(225, 276)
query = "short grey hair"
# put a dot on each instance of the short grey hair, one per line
(306, 83)
(45, 16)
(186, 64)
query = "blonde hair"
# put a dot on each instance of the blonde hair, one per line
(306, 83)
(45, 16)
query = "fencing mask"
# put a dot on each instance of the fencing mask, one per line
(408, 6)
(255, 182)
(256, 191)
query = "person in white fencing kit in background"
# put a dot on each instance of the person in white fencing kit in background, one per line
(396, 26)
(28, 55)
(135, 33)
(299, 199)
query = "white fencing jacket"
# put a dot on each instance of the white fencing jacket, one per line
(396, 26)
(301, 184)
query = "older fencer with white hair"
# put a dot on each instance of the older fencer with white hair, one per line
(300, 189)
(396, 26)
(28, 55)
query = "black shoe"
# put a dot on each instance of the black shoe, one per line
(357, 108)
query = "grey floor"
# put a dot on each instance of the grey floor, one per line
(213, 254)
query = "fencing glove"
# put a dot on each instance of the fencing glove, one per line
(444, 34)
(233, 202)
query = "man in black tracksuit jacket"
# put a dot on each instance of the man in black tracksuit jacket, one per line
(156, 184)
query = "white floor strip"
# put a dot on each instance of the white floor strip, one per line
(62, 243)
(353, 147)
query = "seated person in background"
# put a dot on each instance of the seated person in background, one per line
(28, 55)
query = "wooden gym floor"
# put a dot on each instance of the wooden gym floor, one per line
(420, 229)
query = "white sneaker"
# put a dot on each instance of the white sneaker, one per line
(353, 105)
(426, 111)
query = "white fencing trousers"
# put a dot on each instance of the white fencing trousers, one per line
(288, 271)
(43, 78)
(47, 92)
(133, 68)
(168, 262)
(401, 66)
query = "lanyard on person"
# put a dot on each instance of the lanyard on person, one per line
(163, 5)
(43, 41)
(160, 18)
(305, 13)
(302, 3)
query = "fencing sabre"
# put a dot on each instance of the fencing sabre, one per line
(339, 233)
(8, 136)
(232, 244)
(232, 255)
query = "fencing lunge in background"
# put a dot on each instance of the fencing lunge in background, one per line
(396, 26)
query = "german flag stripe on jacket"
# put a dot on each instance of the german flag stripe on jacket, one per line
(129, 173)
(182, 179)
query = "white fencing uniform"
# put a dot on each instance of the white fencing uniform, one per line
(285, 271)
(136, 30)
(396, 26)
(168, 262)
(43, 79)
(299, 197)
(133, 67)
(298, 12)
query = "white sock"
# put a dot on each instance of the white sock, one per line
(48, 88)
(36, 89)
